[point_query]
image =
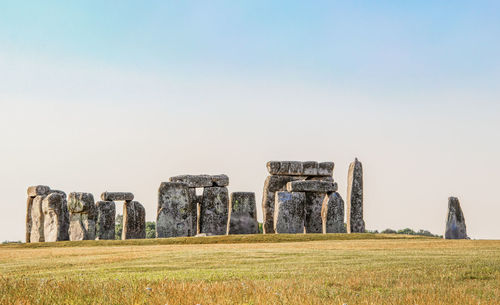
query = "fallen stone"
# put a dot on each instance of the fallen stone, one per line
(312, 186)
(83, 216)
(355, 222)
(455, 222)
(52, 208)
(214, 210)
(38, 190)
(312, 218)
(117, 196)
(134, 220)
(332, 214)
(243, 218)
(325, 168)
(105, 225)
(176, 212)
(289, 212)
(198, 181)
(37, 220)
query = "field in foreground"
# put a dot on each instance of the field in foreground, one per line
(279, 269)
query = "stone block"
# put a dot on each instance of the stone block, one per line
(134, 220)
(105, 225)
(176, 211)
(64, 217)
(198, 181)
(243, 219)
(37, 220)
(82, 216)
(332, 214)
(355, 221)
(455, 222)
(117, 196)
(310, 168)
(214, 210)
(298, 168)
(53, 217)
(325, 168)
(312, 186)
(29, 206)
(289, 212)
(312, 218)
(38, 190)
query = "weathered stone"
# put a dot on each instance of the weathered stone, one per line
(53, 217)
(321, 178)
(310, 168)
(29, 206)
(243, 218)
(83, 215)
(325, 168)
(37, 220)
(289, 212)
(455, 223)
(134, 220)
(272, 185)
(64, 216)
(38, 190)
(202, 180)
(176, 212)
(214, 210)
(332, 214)
(312, 218)
(355, 222)
(105, 225)
(117, 196)
(312, 186)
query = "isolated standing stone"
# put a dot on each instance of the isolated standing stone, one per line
(455, 223)
(117, 196)
(312, 208)
(134, 220)
(176, 213)
(243, 218)
(332, 214)
(355, 222)
(289, 212)
(214, 210)
(105, 225)
(37, 220)
(83, 216)
(53, 217)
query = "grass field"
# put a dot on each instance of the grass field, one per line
(260, 269)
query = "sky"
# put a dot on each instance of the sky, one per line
(121, 95)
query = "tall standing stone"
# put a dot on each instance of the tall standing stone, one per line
(214, 211)
(37, 221)
(33, 191)
(176, 213)
(289, 212)
(355, 222)
(243, 211)
(312, 219)
(455, 223)
(332, 214)
(83, 216)
(105, 225)
(134, 220)
(64, 217)
(54, 218)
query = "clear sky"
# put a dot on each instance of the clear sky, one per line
(121, 95)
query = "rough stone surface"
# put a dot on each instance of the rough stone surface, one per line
(332, 214)
(105, 225)
(202, 180)
(312, 186)
(298, 168)
(455, 223)
(176, 212)
(321, 178)
(312, 208)
(355, 222)
(29, 206)
(64, 217)
(243, 218)
(37, 220)
(272, 185)
(117, 196)
(289, 212)
(83, 215)
(325, 168)
(134, 220)
(214, 210)
(38, 190)
(310, 168)
(53, 217)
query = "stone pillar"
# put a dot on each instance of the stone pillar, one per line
(455, 223)
(214, 211)
(105, 225)
(243, 214)
(332, 214)
(176, 213)
(83, 216)
(64, 217)
(33, 191)
(54, 218)
(134, 220)
(312, 219)
(289, 212)
(355, 222)
(37, 221)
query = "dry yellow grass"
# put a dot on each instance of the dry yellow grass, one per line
(382, 271)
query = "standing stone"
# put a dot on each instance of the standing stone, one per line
(105, 225)
(83, 215)
(64, 217)
(53, 218)
(214, 211)
(117, 196)
(455, 223)
(243, 212)
(176, 213)
(37, 225)
(312, 219)
(332, 214)
(134, 220)
(355, 222)
(289, 212)
(33, 191)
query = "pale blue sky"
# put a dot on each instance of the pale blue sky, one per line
(121, 95)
